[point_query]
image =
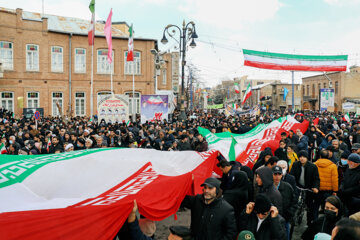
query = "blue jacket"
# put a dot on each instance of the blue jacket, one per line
(303, 143)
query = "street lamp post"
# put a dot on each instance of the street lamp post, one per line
(187, 34)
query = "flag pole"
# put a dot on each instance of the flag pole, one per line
(92, 84)
(133, 102)
(292, 87)
(111, 80)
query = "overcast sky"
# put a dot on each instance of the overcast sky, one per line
(225, 27)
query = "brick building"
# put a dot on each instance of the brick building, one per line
(47, 60)
(345, 85)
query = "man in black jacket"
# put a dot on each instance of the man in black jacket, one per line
(349, 191)
(234, 184)
(288, 197)
(212, 218)
(264, 183)
(307, 176)
(263, 220)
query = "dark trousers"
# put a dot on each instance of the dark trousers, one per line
(310, 203)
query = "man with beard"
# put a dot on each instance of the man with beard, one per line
(212, 218)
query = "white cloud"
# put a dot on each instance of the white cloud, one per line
(232, 14)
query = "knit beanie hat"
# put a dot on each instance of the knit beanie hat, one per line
(262, 203)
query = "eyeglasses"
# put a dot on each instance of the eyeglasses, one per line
(277, 173)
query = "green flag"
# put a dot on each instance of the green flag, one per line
(232, 155)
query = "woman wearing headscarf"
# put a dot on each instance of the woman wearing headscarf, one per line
(334, 210)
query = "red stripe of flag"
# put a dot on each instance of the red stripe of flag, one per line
(294, 67)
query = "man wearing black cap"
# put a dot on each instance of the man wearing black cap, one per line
(288, 197)
(356, 148)
(262, 219)
(212, 217)
(349, 191)
(307, 176)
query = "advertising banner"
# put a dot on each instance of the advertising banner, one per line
(114, 109)
(154, 108)
(327, 97)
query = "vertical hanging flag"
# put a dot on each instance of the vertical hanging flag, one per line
(130, 53)
(247, 94)
(91, 32)
(286, 91)
(107, 31)
(346, 117)
(232, 155)
(237, 88)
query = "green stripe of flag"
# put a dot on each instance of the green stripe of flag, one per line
(298, 57)
(92, 6)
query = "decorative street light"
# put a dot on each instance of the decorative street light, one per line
(187, 33)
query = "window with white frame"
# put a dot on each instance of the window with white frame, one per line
(32, 57)
(164, 76)
(103, 66)
(33, 100)
(7, 101)
(80, 104)
(137, 102)
(135, 66)
(6, 55)
(56, 59)
(57, 102)
(80, 60)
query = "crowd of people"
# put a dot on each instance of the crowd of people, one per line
(321, 166)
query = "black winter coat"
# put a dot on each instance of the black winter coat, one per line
(290, 179)
(214, 221)
(319, 225)
(289, 200)
(312, 179)
(349, 191)
(235, 190)
(281, 153)
(270, 228)
(269, 189)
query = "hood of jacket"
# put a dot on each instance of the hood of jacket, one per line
(323, 163)
(266, 176)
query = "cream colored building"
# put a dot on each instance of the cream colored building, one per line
(346, 85)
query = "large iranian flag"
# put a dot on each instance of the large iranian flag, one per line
(249, 145)
(280, 61)
(89, 194)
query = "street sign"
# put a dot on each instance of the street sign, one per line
(37, 115)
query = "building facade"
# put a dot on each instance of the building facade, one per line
(345, 86)
(277, 100)
(46, 62)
